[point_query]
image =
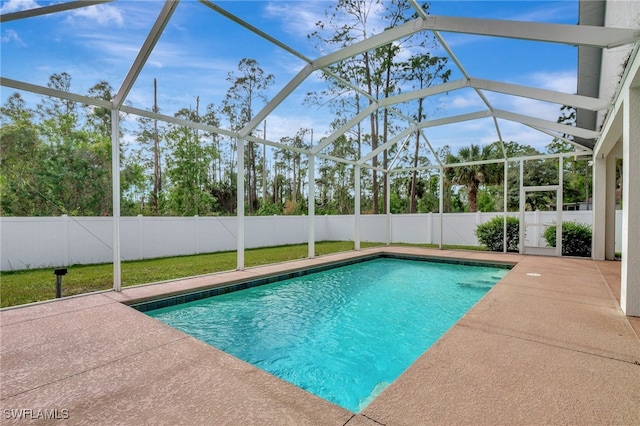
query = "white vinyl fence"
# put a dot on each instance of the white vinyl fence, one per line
(37, 242)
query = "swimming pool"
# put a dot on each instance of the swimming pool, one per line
(343, 334)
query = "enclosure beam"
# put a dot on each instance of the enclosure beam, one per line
(581, 35)
(630, 278)
(421, 125)
(311, 197)
(240, 203)
(47, 91)
(277, 100)
(46, 10)
(546, 124)
(253, 29)
(578, 101)
(324, 142)
(179, 121)
(454, 119)
(115, 189)
(380, 39)
(495, 124)
(194, 125)
(153, 37)
(433, 151)
(386, 102)
(583, 150)
(356, 213)
(405, 133)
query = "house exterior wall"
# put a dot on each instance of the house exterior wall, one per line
(618, 14)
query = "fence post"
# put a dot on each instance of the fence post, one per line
(196, 227)
(537, 227)
(66, 239)
(140, 237)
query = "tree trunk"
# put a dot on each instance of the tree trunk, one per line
(473, 198)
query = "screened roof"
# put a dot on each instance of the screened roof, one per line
(499, 89)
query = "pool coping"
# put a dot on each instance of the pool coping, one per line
(145, 292)
(163, 301)
(553, 348)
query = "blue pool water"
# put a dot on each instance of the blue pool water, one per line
(343, 334)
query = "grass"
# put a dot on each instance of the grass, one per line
(20, 287)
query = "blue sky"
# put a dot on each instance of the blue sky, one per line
(199, 48)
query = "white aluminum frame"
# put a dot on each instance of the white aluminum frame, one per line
(602, 37)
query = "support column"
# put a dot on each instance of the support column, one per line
(240, 203)
(311, 198)
(506, 206)
(441, 207)
(115, 188)
(559, 201)
(599, 213)
(356, 202)
(610, 230)
(630, 279)
(522, 207)
(388, 206)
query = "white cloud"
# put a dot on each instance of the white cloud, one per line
(111, 46)
(535, 108)
(12, 36)
(462, 101)
(547, 13)
(296, 18)
(17, 5)
(101, 14)
(560, 81)
(280, 126)
(524, 135)
(299, 19)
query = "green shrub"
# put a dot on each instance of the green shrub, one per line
(491, 233)
(269, 209)
(576, 239)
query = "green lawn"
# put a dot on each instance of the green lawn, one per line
(20, 287)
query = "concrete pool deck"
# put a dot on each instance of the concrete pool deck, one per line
(547, 349)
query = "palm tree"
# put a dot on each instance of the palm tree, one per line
(471, 176)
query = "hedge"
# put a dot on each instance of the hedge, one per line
(576, 239)
(491, 233)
